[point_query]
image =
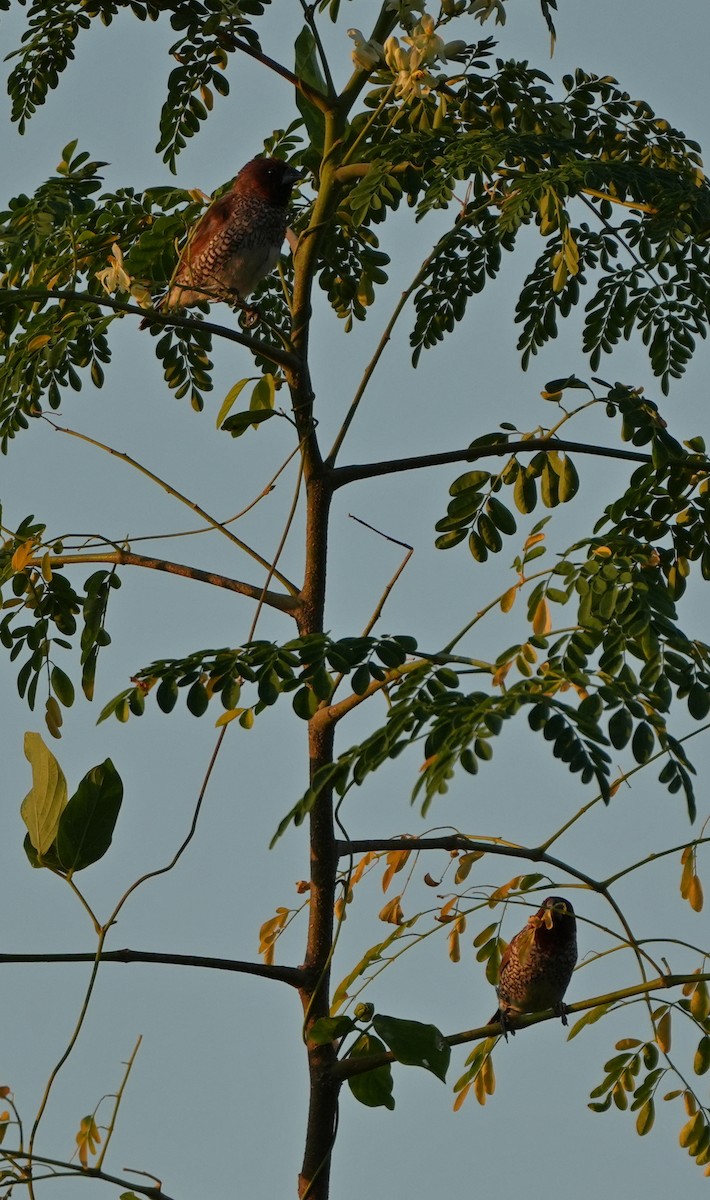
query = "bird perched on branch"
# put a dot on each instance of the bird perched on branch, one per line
(237, 241)
(538, 963)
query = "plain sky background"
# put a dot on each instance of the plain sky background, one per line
(215, 1105)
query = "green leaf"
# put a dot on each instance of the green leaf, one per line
(524, 492)
(569, 481)
(49, 859)
(62, 687)
(43, 805)
(305, 703)
(87, 823)
(231, 398)
(643, 743)
(308, 69)
(699, 701)
(701, 1061)
(329, 1029)
(620, 728)
(373, 1088)
(198, 699)
(240, 422)
(415, 1044)
(263, 396)
(589, 1018)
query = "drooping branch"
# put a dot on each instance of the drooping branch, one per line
(294, 976)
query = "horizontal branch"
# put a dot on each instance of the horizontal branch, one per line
(274, 354)
(129, 559)
(347, 1067)
(342, 475)
(291, 975)
(459, 841)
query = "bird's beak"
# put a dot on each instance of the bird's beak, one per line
(294, 176)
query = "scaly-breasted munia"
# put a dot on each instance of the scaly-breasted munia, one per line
(538, 963)
(237, 241)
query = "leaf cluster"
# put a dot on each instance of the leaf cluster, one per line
(40, 619)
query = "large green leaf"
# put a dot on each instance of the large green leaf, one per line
(373, 1088)
(88, 821)
(415, 1044)
(308, 70)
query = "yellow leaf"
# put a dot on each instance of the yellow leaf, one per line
(691, 1129)
(498, 678)
(445, 913)
(508, 599)
(464, 865)
(362, 867)
(542, 619)
(602, 552)
(695, 894)
(392, 913)
(489, 1079)
(396, 860)
(454, 945)
(533, 540)
(663, 1032)
(461, 1097)
(22, 556)
(87, 1139)
(225, 717)
(700, 1001)
(38, 342)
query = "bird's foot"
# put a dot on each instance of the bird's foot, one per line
(560, 1010)
(251, 312)
(501, 1018)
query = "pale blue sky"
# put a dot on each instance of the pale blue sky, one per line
(216, 1101)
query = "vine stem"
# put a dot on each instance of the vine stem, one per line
(70, 1046)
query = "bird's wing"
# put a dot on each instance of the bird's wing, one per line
(209, 224)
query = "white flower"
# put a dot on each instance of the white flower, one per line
(412, 80)
(115, 277)
(366, 54)
(426, 40)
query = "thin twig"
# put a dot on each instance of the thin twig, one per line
(384, 597)
(118, 1098)
(172, 491)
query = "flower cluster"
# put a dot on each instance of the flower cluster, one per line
(411, 63)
